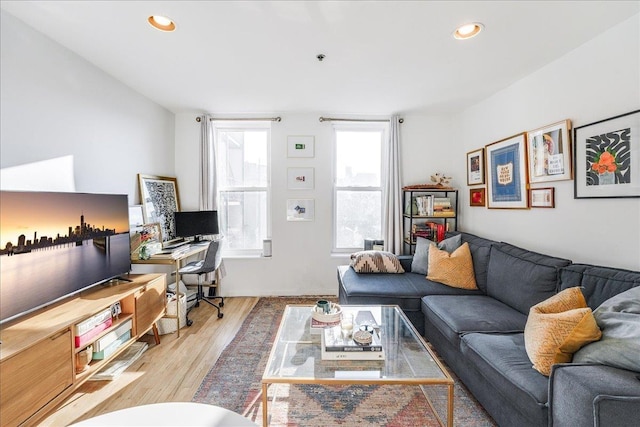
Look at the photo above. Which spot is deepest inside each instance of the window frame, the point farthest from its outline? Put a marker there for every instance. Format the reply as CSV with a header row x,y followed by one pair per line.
x,y
381,126
242,126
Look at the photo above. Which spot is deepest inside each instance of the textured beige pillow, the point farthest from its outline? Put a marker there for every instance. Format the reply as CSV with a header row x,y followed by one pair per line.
x,y
454,269
557,327
375,262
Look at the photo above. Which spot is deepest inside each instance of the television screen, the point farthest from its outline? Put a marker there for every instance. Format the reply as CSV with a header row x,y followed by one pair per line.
x,y
53,245
196,223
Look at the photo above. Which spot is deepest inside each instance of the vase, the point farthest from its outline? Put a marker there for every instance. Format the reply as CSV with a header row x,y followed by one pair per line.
x,y
144,252
606,178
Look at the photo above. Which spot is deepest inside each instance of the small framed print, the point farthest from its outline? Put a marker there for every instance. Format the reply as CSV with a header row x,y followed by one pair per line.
x,y
477,197
475,167
549,150
300,178
607,158
300,210
542,197
507,173
300,146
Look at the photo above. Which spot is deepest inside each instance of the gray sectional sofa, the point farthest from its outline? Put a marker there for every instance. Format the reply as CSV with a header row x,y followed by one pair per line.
x,y
480,333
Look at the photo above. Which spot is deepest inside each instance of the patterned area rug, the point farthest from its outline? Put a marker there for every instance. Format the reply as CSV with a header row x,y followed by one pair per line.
x,y
234,383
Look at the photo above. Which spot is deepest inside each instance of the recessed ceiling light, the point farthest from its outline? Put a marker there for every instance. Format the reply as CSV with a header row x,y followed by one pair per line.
x,y
468,30
162,23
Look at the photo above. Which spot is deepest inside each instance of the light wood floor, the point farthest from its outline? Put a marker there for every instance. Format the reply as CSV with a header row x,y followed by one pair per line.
x,y
169,372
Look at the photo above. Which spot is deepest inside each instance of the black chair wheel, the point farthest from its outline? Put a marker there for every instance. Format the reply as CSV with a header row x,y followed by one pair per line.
x,y
221,303
189,322
197,304
220,315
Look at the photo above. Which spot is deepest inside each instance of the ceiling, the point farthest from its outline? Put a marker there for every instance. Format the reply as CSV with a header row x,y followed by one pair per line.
x,y
382,57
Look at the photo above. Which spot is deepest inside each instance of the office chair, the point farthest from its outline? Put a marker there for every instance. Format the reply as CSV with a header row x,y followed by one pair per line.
x,y
209,264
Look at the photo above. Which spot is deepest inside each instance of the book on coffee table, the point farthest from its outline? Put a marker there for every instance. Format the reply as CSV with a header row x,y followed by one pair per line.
x,y
335,346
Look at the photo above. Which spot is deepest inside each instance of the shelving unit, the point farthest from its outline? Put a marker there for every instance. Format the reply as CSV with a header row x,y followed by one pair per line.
x,y
38,353
411,217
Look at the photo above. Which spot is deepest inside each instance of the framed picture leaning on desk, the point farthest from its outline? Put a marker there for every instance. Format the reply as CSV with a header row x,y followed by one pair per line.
x,y
159,195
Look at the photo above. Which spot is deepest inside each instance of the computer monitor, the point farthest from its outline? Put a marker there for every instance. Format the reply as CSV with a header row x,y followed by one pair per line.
x,y
196,224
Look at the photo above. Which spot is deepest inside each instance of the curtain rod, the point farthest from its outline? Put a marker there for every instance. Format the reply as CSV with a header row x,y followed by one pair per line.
x,y
331,119
262,119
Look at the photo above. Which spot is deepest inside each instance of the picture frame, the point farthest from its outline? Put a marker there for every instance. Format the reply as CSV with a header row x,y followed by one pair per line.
x,y
300,178
300,209
549,152
146,233
475,167
507,173
542,197
607,158
159,197
300,146
477,197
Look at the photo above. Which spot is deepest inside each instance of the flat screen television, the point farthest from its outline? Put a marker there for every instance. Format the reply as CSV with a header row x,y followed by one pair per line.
x,y
195,224
55,245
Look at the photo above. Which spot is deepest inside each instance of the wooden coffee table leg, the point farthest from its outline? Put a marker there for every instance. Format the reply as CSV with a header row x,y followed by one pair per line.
x,y
265,400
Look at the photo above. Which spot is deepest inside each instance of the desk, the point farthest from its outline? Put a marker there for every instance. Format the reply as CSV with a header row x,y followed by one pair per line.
x,y
175,258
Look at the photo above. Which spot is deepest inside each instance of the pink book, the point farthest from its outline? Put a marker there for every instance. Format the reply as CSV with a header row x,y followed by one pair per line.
x,y
83,339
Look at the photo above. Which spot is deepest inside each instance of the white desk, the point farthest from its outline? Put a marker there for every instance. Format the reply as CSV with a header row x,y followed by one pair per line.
x,y
175,258
169,414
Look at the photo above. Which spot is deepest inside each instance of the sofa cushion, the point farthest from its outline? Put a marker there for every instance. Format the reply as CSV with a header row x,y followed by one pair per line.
x,y
404,290
375,262
557,327
619,319
452,269
480,251
503,362
521,278
598,283
420,263
454,315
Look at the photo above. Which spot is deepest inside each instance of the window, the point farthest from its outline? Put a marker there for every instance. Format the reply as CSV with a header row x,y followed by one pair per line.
x,y
243,171
357,185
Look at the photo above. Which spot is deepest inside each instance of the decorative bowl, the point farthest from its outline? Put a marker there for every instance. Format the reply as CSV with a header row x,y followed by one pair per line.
x,y
333,316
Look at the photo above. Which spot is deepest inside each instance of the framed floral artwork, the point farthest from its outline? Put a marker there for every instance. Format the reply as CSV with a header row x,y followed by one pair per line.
x,y
300,146
300,209
477,197
300,178
549,152
475,167
507,173
607,158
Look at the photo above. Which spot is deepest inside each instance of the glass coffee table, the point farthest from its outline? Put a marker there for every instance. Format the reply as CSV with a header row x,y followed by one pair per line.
x,y
296,358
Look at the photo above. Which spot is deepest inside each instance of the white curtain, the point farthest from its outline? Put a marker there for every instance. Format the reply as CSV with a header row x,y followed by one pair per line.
x,y
392,196
208,181
208,178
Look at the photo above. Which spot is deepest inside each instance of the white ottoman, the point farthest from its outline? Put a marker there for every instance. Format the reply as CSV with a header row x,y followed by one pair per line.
x,y
170,414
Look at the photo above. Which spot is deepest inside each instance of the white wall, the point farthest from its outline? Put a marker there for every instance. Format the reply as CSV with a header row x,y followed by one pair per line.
x,y
302,263
56,104
600,79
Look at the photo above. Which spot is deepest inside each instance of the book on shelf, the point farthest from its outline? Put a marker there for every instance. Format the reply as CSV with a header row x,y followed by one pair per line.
x,y
335,346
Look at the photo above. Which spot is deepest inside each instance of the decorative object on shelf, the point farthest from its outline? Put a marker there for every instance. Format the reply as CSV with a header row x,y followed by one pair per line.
x,y
146,242
477,197
300,146
83,358
300,178
549,150
417,187
441,179
475,167
159,196
542,197
300,209
607,158
507,173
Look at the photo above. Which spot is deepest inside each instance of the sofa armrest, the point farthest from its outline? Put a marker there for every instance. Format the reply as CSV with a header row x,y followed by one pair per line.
x,y
594,395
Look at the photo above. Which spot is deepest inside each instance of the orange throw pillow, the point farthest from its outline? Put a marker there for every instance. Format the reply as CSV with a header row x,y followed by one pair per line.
x,y
453,269
558,327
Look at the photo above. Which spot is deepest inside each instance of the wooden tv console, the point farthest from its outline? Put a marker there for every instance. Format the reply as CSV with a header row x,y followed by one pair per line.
x,y
38,353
